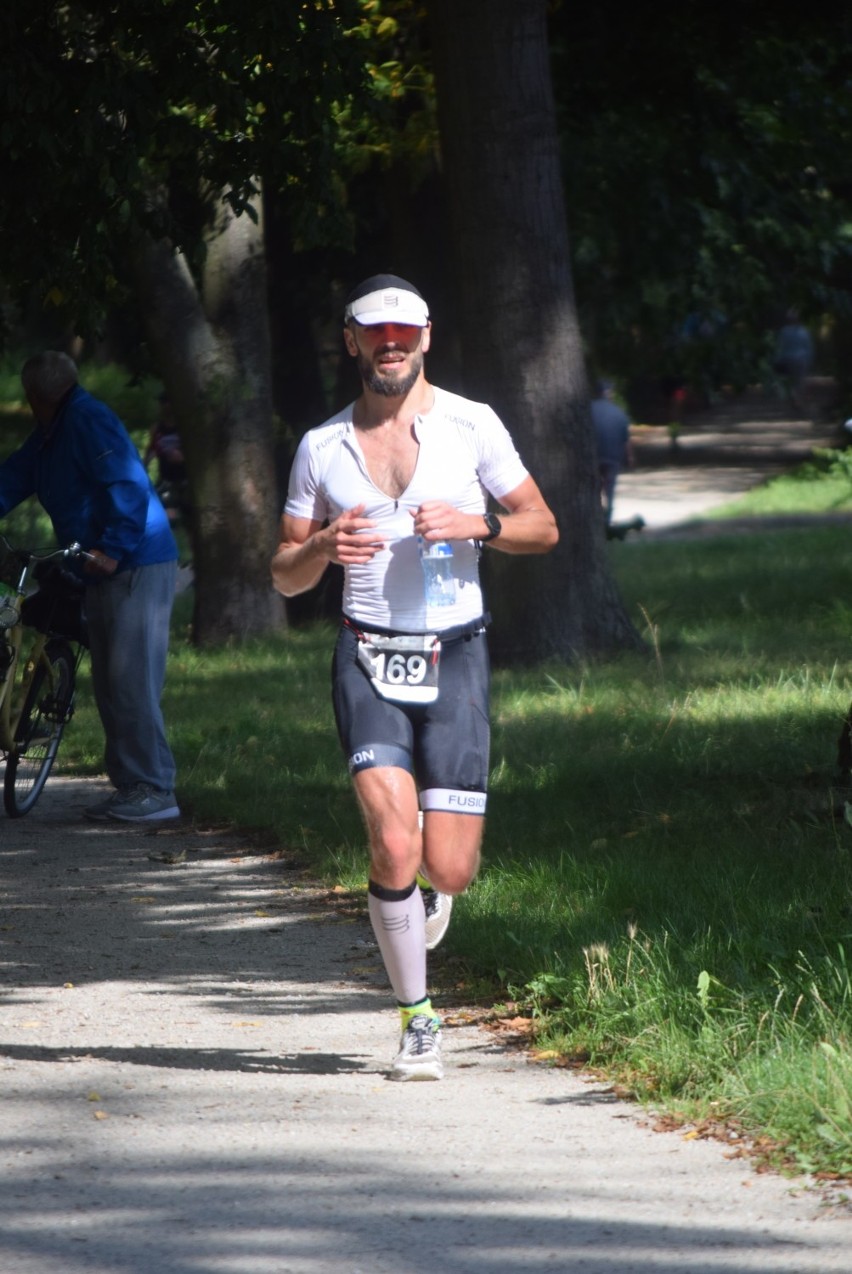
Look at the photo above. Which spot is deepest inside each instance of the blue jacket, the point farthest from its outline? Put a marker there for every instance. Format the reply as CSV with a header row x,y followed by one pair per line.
x,y
89,478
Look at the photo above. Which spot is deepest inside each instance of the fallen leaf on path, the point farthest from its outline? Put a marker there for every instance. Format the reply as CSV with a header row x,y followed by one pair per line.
x,y
520,1025
165,857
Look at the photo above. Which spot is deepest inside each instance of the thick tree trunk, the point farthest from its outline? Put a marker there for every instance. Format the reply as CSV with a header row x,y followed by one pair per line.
x,y
211,347
521,345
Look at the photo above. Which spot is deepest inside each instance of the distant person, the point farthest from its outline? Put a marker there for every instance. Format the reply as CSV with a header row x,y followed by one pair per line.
x,y
612,438
81,464
794,358
164,446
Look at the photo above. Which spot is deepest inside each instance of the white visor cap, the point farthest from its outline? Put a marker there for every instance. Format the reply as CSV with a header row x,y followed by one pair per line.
x,y
388,305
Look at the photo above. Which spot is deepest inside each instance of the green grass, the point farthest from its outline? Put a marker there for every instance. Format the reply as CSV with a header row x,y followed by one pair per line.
x,y
822,485
667,881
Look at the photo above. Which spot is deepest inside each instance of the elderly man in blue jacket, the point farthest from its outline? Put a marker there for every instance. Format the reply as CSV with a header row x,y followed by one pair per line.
x,y
83,467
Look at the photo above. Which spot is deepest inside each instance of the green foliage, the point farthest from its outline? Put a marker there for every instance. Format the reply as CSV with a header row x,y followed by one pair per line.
x,y
133,399
704,156
105,103
397,127
707,178
697,177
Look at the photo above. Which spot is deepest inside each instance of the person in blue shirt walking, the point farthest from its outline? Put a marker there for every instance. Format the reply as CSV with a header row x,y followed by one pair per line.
x,y
794,359
612,439
82,465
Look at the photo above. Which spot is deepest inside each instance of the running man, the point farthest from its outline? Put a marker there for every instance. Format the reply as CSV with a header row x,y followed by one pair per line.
x,y
404,467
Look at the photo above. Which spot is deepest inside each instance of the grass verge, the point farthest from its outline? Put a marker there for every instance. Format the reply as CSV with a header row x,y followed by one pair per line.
x,y
667,885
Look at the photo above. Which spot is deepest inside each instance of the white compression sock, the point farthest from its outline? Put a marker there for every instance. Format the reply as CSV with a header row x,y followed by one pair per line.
x,y
399,923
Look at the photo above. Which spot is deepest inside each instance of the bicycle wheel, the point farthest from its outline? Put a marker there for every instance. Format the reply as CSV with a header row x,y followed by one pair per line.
x,y
46,709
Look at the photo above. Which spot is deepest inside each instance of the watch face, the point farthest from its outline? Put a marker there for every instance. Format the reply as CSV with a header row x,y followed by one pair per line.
x,y
493,523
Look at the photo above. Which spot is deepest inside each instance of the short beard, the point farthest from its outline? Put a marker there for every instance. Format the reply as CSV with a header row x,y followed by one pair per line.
x,y
387,386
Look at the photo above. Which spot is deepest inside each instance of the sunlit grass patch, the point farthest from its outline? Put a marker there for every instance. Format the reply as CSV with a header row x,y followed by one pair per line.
x,y
667,875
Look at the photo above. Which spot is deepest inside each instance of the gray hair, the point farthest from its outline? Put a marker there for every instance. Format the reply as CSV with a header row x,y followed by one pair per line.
x,y
49,375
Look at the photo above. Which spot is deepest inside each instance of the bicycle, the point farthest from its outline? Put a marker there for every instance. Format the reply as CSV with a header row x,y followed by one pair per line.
x,y
37,691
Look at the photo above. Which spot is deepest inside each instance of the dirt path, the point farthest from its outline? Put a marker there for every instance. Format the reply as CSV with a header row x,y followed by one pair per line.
x,y
720,453
193,1065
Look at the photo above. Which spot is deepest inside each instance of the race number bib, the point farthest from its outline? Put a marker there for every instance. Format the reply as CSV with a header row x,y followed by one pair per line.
x,y
404,669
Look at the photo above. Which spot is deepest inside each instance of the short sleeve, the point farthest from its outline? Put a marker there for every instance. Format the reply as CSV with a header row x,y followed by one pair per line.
x,y
304,497
499,466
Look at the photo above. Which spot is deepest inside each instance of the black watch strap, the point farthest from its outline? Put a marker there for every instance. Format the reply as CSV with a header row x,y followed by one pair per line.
x,y
495,526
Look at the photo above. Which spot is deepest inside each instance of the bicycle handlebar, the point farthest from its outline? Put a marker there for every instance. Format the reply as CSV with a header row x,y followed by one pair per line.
x,y
25,556
77,550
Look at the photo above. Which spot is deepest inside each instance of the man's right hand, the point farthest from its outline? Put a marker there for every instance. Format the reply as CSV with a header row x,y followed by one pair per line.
x,y
97,563
347,541
307,547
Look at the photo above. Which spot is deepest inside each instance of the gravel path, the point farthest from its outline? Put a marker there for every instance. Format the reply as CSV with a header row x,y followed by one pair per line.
x,y
193,1065
721,453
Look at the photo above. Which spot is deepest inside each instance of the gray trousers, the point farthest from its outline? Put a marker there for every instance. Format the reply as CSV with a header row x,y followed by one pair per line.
x,y
128,616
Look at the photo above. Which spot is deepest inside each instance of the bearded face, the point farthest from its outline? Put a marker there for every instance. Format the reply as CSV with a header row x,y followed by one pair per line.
x,y
391,380
389,356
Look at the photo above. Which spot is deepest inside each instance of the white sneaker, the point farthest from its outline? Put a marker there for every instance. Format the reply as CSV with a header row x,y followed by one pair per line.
x,y
419,1055
438,908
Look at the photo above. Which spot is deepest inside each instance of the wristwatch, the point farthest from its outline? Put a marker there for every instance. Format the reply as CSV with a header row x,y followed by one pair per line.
x,y
495,526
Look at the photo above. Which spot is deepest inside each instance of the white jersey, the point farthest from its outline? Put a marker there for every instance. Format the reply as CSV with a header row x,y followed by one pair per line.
x,y
465,452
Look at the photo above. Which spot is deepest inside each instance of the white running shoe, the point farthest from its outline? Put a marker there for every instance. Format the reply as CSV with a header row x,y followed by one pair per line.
x,y
438,908
419,1055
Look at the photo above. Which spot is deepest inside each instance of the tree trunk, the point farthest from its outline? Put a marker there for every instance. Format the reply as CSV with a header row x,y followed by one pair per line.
x,y
522,349
211,347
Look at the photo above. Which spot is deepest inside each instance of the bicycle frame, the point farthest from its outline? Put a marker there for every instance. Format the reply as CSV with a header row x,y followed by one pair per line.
x,y
14,687
14,691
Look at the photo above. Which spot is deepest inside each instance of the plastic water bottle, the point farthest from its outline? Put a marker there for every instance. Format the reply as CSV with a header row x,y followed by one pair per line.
x,y
437,561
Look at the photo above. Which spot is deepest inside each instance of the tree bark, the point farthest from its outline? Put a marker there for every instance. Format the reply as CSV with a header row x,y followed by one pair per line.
x,y
211,346
521,344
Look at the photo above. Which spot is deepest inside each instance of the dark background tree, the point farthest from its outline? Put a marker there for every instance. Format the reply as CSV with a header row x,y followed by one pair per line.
x,y
134,136
522,346
706,156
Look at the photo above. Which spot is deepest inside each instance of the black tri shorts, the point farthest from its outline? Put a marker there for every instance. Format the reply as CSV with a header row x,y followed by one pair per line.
x,y
443,744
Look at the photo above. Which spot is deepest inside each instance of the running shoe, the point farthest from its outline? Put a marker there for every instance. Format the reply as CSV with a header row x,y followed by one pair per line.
x,y
419,1055
144,804
99,812
438,907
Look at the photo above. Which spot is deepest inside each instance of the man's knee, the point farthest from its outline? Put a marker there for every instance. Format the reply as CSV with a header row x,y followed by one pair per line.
x,y
452,877
451,849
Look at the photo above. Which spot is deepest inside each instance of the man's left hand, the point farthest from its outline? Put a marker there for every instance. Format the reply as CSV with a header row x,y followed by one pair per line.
x,y
435,520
